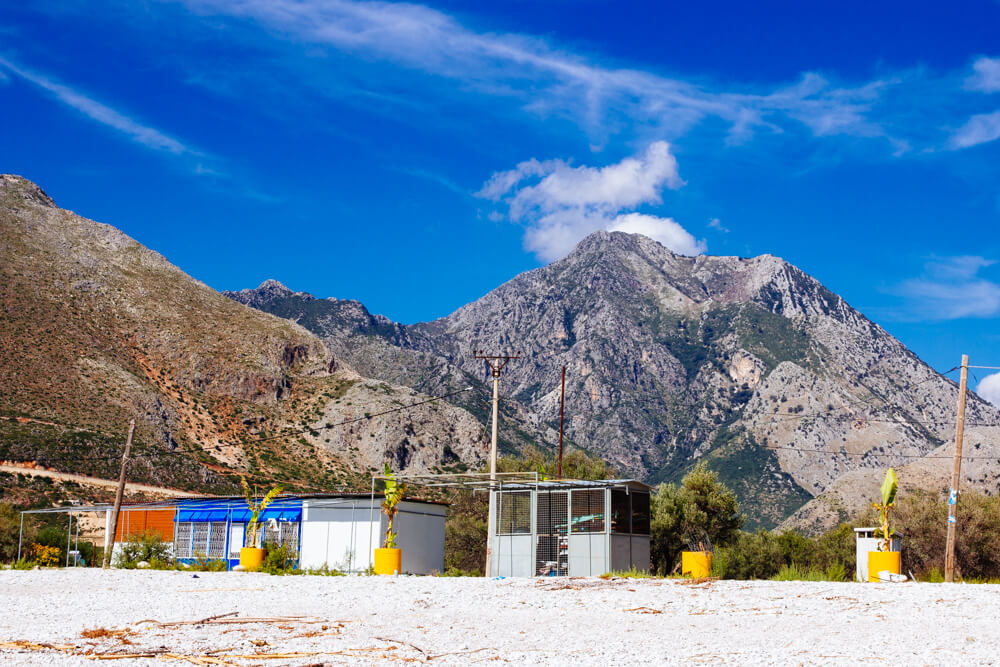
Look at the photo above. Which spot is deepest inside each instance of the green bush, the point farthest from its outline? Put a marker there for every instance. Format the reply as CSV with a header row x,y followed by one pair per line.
x,y
279,559
922,519
701,511
147,546
787,555
23,564
10,525
201,563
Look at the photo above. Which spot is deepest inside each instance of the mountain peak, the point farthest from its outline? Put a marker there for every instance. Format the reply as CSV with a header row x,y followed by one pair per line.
x,y
19,186
273,286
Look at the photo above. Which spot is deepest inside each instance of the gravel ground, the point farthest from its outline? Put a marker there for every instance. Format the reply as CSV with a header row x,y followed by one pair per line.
x,y
61,617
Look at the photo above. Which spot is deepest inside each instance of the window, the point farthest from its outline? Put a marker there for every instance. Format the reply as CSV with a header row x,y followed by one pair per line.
x,y
588,511
182,541
284,533
640,513
515,513
621,511
199,544
217,540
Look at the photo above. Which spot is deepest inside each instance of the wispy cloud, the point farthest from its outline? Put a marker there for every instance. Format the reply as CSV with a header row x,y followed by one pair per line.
x,y
950,288
986,76
551,81
103,114
560,203
980,129
715,223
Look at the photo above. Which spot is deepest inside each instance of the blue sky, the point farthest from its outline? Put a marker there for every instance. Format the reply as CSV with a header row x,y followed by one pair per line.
x,y
416,156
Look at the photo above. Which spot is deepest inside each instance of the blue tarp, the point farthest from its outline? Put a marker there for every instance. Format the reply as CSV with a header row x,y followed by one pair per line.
x,y
237,514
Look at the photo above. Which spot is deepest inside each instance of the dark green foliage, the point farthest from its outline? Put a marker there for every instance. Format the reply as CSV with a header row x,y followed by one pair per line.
x,y
788,555
465,533
577,464
148,547
922,519
10,522
700,513
278,559
754,474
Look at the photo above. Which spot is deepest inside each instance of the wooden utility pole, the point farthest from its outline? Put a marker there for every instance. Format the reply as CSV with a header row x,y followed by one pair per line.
x,y
562,407
956,472
496,363
118,497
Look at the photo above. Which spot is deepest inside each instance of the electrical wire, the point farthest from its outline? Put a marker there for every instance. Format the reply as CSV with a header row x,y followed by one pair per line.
x,y
291,431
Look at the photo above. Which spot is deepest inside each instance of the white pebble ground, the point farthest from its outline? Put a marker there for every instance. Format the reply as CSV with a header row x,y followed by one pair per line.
x,y
58,617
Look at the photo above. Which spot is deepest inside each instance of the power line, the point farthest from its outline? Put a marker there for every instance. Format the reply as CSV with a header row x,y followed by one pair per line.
x,y
869,453
291,431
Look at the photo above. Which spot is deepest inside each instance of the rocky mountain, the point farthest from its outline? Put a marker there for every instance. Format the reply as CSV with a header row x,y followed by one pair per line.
x,y
96,329
748,363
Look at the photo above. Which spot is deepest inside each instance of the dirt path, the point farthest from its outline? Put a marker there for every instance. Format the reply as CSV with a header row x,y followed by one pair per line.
x,y
130,487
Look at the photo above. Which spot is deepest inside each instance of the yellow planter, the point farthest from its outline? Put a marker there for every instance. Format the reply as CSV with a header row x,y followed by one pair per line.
x,y
251,558
696,563
879,561
388,561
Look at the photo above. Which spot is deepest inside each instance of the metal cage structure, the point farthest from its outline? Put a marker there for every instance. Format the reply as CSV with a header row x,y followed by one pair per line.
x,y
571,528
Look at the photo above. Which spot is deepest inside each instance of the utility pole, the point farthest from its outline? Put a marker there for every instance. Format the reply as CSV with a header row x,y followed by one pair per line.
x,y
956,471
496,363
118,496
562,407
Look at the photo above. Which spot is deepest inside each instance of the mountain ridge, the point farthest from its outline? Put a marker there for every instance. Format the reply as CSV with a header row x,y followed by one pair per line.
x,y
749,362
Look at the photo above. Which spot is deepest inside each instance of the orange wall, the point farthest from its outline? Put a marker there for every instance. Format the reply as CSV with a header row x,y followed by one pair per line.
x,y
133,522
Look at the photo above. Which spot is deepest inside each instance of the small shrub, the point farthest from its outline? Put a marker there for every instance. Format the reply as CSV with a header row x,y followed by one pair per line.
x,y
147,546
23,564
44,555
279,559
202,563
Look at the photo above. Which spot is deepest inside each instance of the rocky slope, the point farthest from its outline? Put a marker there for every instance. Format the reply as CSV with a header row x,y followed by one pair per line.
x,y
97,329
746,362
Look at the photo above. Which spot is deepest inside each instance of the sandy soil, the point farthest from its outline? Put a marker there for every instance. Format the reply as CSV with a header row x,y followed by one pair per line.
x,y
61,617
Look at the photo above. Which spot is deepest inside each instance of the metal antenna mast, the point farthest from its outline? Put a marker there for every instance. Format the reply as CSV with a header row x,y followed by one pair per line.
x,y
496,363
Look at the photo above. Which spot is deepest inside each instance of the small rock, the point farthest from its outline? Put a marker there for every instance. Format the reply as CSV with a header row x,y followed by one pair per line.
x,y
142,565
239,568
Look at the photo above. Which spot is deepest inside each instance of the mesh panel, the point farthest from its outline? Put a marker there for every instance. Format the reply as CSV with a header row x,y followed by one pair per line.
x,y
552,520
285,533
182,541
217,541
200,545
290,537
515,513
588,511
621,512
640,513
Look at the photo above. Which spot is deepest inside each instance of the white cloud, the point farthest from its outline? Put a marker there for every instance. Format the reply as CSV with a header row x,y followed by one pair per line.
x,y
989,389
951,288
665,231
98,112
986,77
979,129
560,204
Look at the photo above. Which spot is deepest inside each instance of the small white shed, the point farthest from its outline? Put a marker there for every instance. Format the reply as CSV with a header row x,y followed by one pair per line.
x,y
343,533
